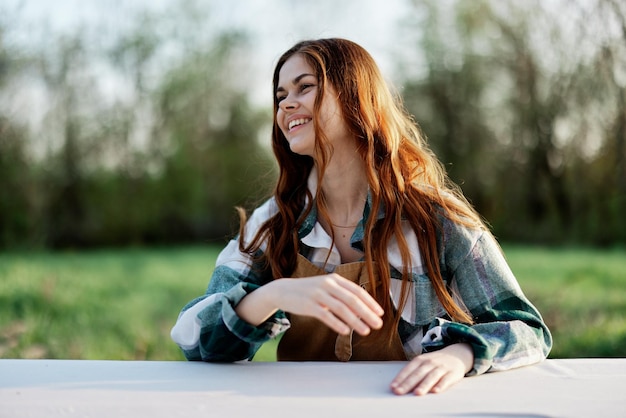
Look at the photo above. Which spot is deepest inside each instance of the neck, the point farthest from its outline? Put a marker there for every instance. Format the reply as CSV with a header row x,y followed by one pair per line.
x,y
345,189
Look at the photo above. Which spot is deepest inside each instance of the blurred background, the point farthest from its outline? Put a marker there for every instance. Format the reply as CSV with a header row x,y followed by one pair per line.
x,y
146,122
130,130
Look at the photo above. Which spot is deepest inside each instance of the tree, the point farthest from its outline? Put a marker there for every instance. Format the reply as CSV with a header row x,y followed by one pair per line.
x,y
18,195
511,98
148,137
213,134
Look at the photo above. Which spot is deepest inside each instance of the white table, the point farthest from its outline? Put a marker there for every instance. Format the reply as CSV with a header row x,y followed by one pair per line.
x,y
62,388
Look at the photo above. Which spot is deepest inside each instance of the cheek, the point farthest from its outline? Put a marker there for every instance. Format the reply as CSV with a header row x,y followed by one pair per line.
x,y
333,121
279,120
330,114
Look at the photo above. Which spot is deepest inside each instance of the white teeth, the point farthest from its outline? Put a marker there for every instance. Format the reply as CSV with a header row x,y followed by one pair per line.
x,y
297,122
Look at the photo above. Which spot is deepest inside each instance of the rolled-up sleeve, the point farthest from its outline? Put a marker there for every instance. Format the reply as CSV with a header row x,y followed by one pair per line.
x,y
208,328
508,331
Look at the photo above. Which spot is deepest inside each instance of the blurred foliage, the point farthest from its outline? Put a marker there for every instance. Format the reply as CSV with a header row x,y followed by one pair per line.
x,y
161,156
149,136
525,103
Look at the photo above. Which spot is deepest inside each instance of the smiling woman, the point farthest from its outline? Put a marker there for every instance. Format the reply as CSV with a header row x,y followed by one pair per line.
x,y
365,251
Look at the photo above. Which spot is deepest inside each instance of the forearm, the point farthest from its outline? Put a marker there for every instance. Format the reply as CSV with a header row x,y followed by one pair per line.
x,y
211,329
258,306
464,353
508,331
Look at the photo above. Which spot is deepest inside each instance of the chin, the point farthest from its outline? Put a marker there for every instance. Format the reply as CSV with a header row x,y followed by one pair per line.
x,y
300,149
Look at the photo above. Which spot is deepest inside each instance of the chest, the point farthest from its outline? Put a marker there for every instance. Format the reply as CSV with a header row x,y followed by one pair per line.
x,y
342,243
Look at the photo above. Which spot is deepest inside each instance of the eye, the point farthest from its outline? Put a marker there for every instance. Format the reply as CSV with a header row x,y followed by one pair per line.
x,y
305,86
280,98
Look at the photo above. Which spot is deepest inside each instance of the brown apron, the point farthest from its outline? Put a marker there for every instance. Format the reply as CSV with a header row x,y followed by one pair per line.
x,y
308,339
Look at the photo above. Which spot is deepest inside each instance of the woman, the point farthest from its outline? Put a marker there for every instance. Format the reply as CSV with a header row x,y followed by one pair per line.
x,y
366,251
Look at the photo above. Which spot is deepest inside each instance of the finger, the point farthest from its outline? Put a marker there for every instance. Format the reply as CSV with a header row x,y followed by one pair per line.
x,y
331,321
448,380
359,302
396,383
410,376
429,381
356,314
363,295
345,313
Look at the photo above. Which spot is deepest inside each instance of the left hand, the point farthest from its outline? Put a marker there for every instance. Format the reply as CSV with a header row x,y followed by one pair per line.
x,y
434,372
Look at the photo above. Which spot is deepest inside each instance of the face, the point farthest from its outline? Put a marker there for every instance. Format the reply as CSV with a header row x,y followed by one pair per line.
x,y
296,92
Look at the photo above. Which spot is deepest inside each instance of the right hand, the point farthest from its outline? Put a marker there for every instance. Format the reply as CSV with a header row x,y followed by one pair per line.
x,y
337,302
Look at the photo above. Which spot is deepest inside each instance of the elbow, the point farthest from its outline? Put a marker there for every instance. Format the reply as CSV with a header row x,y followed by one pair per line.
x,y
546,342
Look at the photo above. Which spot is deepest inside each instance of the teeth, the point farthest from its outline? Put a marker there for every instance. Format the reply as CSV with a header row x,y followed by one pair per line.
x,y
297,122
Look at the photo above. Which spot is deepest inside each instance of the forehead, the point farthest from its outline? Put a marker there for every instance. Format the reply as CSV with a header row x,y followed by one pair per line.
x,y
293,68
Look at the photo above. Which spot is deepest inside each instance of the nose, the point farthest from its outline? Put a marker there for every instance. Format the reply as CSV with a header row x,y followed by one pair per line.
x,y
288,103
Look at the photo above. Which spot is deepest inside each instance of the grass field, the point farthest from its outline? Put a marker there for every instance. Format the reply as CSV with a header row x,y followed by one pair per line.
x,y
582,295
121,304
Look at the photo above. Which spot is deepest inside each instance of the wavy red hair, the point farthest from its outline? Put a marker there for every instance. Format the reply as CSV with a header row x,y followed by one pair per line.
x,y
404,176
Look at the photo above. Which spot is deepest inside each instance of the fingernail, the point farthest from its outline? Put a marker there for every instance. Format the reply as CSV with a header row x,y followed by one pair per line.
x,y
399,390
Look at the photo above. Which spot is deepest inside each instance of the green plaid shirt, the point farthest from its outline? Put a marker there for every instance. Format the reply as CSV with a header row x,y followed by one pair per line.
x,y
508,331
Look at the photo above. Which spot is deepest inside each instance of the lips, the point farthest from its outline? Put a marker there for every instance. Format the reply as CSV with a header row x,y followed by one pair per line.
x,y
298,122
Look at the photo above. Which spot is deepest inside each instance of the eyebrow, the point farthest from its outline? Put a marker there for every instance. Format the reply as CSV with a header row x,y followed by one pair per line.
x,y
295,81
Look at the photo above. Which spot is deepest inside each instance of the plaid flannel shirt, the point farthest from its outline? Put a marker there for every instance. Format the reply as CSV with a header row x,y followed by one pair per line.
x,y
508,331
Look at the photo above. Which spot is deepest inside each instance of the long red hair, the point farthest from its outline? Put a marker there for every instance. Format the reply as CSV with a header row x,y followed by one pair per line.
x,y
405,178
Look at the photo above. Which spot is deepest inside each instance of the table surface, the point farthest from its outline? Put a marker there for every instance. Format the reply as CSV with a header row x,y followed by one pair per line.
x,y
55,388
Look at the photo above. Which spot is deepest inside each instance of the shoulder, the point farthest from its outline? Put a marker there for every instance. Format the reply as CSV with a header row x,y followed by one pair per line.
x,y
457,240
259,216
265,211
454,232
231,256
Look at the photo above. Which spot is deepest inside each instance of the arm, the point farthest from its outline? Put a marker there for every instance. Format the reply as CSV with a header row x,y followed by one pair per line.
x,y
236,316
508,331
244,308
332,299
208,328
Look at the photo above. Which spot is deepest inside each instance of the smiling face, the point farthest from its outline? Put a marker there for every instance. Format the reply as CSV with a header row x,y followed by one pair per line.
x,y
297,89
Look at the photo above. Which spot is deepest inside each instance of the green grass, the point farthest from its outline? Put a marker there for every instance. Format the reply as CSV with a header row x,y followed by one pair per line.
x,y
582,295
121,304
117,304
